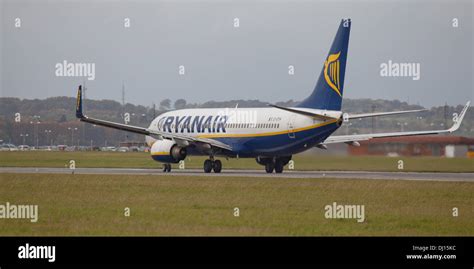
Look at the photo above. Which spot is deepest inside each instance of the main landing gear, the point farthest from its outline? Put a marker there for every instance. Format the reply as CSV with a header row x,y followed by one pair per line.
x,y
211,164
277,166
166,167
274,164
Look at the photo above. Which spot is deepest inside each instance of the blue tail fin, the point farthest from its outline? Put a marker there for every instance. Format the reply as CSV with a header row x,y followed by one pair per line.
x,y
329,89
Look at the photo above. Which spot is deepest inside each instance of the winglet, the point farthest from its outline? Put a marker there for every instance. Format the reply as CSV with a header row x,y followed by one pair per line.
x,y
458,121
79,114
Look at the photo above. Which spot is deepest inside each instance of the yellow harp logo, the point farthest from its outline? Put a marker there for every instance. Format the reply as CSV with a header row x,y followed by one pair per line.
x,y
331,72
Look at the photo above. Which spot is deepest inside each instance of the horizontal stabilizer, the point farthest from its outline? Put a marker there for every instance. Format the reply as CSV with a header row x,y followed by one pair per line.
x,y
322,116
377,114
361,137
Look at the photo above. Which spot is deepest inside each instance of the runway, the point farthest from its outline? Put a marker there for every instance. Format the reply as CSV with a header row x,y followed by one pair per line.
x,y
455,177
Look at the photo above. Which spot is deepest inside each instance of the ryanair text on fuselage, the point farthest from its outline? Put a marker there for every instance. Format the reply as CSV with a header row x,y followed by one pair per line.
x,y
193,124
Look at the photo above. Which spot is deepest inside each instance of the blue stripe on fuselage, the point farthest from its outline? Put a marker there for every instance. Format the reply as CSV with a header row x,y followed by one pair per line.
x,y
278,145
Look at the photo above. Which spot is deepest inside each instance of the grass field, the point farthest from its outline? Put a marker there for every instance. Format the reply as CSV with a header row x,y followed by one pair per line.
x,y
302,162
95,204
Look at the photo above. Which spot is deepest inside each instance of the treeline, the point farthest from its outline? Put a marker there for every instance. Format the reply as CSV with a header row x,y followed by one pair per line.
x,y
52,120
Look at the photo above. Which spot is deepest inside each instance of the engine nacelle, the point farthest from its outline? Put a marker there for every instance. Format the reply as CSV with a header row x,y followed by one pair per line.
x,y
167,151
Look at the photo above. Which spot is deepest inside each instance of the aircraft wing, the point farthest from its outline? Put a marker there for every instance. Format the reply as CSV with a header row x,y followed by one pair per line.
x,y
185,140
361,137
181,139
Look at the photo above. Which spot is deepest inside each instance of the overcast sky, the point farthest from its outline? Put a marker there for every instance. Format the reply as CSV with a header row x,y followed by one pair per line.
x,y
223,62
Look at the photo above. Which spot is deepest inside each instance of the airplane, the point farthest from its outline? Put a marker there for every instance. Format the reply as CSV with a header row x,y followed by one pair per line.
x,y
271,135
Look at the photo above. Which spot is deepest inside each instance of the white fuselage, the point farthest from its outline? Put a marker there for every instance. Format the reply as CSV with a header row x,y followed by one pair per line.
x,y
238,125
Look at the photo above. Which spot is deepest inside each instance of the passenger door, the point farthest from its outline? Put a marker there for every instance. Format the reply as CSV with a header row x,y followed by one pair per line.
x,y
291,126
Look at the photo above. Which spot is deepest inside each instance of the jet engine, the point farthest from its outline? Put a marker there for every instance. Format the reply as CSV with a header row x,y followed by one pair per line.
x,y
167,151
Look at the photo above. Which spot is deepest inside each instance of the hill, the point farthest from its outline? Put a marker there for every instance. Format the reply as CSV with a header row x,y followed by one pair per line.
x,y
56,114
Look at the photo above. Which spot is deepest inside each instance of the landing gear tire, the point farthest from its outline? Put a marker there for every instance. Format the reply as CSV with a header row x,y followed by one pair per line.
x,y
207,166
276,163
269,167
166,167
278,167
217,166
